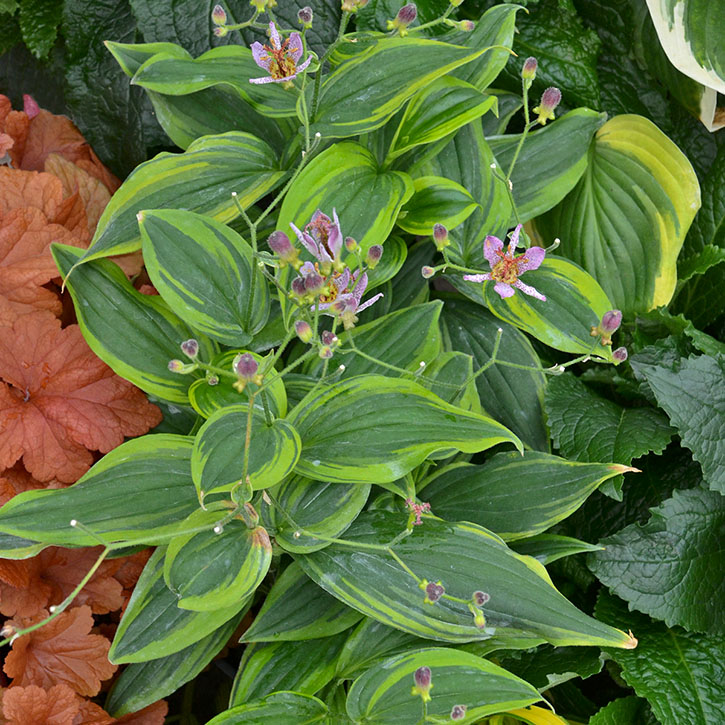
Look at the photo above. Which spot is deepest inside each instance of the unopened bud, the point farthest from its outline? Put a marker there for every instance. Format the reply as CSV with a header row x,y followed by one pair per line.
x,y
280,244
305,15
528,72
352,6
314,283
467,26
481,598
440,237
303,330
550,99
620,355
7,631
298,287
212,380
458,712
433,592
190,348
611,321
423,685
220,31
406,15
328,338
246,366
479,619
218,16
427,272
177,366
374,255
325,352
350,244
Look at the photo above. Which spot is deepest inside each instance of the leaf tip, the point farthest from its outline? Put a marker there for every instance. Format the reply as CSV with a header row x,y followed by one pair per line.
x,y
631,642
621,468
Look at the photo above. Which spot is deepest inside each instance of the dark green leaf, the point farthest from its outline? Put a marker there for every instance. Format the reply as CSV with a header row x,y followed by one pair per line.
x,y
624,711
39,21
279,707
548,548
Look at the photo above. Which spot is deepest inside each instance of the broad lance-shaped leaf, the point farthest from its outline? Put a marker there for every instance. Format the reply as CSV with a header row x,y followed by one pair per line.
x,y
205,272
201,179
373,429
297,609
692,394
138,493
153,626
627,218
135,335
671,566
551,160
353,100
383,695
276,708
465,558
515,496
548,548
678,672
217,463
213,569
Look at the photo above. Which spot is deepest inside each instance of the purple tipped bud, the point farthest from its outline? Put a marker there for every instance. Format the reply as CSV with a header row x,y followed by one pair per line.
x,y
611,321
407,14
314,283
374,254
550,99
433,592
528,72
422,678
458,712
212,380
325,352
298,287
246,366
481,598
303,330
620,355
176,366
427,272
467,26
304,15
350,244
218,16
190,348
280,244
440,236
328,338
220,31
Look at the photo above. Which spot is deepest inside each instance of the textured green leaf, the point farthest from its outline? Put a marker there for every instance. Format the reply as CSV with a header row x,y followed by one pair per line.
x,y
678,672
305,667
205,272
136,335
277,708
297,609
692,394
217,463
514,496
139,492
465,558
372,429
548,548
39,21
201,179
153,626
624,711
383,695
512,396
143,683
317,509
670,567
551,162
627,218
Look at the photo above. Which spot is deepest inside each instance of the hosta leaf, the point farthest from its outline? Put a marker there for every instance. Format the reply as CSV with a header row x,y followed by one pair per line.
x,y
353,100
394,256
515,496
297,609
372,429
670,567
317,509
436,200
205,272
678,672
153,626
692,395
304,667
143,683
551,161
217,463
574,304
628,241
465,558
201,179
450,377
383,695
512,396
138,493
551,547
276,708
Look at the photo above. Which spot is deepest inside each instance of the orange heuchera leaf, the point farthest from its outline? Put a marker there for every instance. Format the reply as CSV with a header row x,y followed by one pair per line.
x,y
6,143
151,715
29,188
92,714
15,480
33,705
62,651
59,400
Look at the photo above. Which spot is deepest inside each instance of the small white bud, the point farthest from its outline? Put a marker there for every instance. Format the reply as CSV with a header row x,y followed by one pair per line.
x,y
52,608
297,534
218,529
73,523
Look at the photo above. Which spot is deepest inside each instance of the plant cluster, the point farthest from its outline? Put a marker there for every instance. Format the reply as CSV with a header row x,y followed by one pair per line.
x,y
397,258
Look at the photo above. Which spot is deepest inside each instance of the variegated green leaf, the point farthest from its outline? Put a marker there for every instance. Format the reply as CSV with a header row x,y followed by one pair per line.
x,y
277,708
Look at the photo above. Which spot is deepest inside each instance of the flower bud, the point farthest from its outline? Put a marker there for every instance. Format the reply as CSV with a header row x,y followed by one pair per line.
x,y
325,352
481,598
528,72
433,592
303,330
466,26
350,244
440,237
479,619
305,15
218,16
298,287
422,678
190,348
212,380
220,31
314,283
374,254
177,366
406,15
246,366
620,355
611,321
550,99
328,338
458,712
280,244
352,6
427,272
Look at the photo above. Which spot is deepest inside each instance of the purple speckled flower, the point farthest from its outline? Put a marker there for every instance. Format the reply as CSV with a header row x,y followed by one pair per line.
x,y
322,238
348,304
280,58
506,269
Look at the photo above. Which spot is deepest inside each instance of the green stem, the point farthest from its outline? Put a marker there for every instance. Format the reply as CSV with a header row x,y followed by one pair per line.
x,y
344,19
525,132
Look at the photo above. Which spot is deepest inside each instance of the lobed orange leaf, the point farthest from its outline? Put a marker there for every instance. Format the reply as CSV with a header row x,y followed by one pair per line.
x,y
59,401
29,188
151,715
32,705
15,480
61,652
